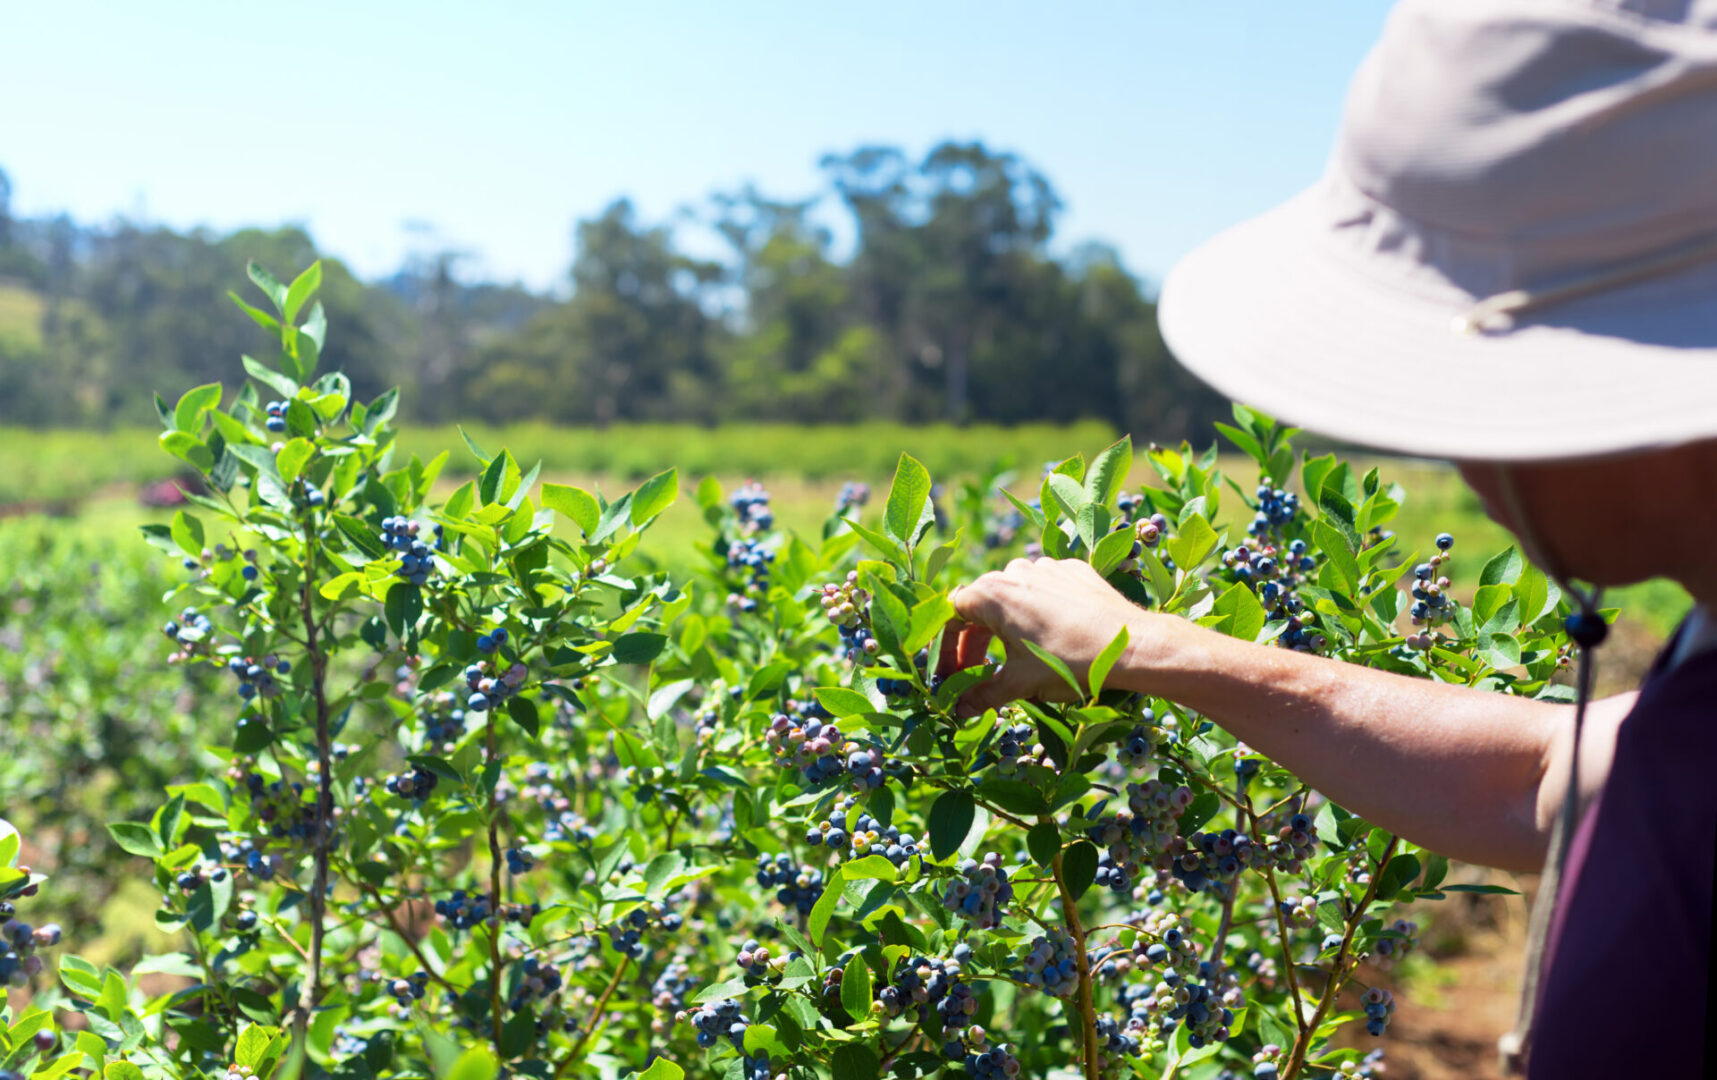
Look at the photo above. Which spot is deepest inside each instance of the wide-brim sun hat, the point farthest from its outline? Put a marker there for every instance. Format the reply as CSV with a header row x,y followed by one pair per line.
x,y
1512,254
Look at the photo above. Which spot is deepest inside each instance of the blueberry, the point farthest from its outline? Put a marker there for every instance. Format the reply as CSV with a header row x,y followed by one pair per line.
x,y
1445,541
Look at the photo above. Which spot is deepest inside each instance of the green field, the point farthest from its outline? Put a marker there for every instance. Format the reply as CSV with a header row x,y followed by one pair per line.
x,y
97,473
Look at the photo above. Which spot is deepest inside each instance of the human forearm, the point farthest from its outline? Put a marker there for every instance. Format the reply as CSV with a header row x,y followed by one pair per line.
x,y
1454,769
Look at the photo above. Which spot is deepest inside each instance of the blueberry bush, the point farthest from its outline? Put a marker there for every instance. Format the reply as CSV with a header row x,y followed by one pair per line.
x,y
491,794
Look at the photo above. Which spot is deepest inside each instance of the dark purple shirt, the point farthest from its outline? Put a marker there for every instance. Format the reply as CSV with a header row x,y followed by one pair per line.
x,y
1624,993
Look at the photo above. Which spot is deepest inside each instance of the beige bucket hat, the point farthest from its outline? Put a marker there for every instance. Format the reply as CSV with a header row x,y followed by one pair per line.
x,y
1512,254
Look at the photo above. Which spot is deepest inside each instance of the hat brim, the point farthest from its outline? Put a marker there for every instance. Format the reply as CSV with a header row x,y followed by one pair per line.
x,y
1273,315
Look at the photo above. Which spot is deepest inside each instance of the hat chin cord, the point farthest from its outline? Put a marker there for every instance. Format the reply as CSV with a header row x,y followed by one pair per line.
x,y
1588,629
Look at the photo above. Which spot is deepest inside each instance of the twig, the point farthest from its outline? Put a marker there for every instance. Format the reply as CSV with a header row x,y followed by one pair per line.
x,y
410,942
1333,984
1087,1012
595,1017
496,1016
324,789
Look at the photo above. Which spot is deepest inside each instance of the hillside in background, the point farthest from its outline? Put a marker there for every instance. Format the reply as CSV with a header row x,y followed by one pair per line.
x,y
950,306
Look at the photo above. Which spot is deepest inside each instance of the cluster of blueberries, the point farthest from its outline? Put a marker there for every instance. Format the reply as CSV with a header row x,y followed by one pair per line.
x,y
1431,605
19,942
980,893
488,691
257,678
1178,999
797,889
1051,964
668,993
464,910
1210,860
933,987
257,861
1136,749
190,630
1293,844
845,603
753,959
852,496
416,784
1379,1006
627,935
188,881
857,643
1142,833
417,560
717,1020
519,861
1276,507
869,836
1016,748
751,558
410,989
894,688
1402,938
751,503
986,1062
282,807
537,980
306,494
276,421
816,747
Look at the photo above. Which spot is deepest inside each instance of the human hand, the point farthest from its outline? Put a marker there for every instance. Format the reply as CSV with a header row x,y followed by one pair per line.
x,y
1060,605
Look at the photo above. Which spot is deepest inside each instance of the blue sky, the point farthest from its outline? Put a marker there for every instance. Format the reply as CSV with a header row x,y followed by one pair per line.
x,y
500,123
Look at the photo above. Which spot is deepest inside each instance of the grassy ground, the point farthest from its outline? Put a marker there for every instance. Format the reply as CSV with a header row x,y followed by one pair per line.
x,y
42,466
1437,502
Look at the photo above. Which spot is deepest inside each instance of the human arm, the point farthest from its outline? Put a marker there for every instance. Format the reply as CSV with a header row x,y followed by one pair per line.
x,y
1474,775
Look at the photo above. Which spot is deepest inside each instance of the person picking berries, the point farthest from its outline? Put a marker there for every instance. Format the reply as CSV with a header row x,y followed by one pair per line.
x,y
1510,263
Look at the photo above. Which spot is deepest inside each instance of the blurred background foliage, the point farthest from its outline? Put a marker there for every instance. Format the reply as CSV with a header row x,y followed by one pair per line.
x,y
947,304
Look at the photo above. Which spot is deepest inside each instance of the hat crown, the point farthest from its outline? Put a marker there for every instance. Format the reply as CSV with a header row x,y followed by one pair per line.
x,y
1567,131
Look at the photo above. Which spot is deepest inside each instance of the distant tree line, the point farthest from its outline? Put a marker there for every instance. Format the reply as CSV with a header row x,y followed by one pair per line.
x,y
948,307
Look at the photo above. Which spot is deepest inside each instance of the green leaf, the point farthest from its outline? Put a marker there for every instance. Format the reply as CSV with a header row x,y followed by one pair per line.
x,y
638,648
403,608
270,378
855,1061
926,621
1044,843
189,449
655,495
260,317
907,499
661,1069
478,1063
1079,867
1402,871
1057,665
302,288
856,988
1504,568
121,1070
1064,494
951,817
1193,540
1105,661
890,550
1338,552
1114,549
1014,796
268,283
824,909
187,532
524,713
193,405
1247,614
254,1044
367,537
1487,890
1107,477
292,459
136,838
579,505
842,702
